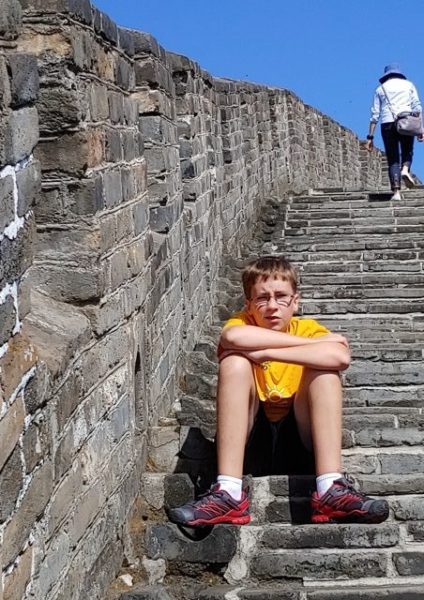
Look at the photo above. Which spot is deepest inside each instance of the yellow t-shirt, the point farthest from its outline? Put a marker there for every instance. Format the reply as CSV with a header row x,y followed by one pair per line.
x,y
277,382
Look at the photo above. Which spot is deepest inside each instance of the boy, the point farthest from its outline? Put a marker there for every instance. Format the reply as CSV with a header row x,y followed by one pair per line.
x,y
286,368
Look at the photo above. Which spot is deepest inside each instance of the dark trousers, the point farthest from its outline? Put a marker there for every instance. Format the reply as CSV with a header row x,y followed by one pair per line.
x,y
399,150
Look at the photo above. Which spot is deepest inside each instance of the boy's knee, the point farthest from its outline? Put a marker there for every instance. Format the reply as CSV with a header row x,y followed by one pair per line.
x,y
237,365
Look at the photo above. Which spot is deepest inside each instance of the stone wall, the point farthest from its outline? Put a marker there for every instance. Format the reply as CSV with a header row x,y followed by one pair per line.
x,y
151,172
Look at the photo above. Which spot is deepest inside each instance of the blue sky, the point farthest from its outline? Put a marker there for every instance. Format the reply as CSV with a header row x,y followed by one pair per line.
x,y
331,53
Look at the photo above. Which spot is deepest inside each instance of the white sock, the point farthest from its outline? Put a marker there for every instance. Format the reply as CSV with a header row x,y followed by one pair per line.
x,y
232,485
325,481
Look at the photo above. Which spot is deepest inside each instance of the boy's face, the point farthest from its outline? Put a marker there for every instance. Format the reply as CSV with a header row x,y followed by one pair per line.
x,y
273,303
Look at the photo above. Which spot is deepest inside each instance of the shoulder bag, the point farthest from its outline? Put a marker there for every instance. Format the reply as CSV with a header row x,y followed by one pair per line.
x,y
407,123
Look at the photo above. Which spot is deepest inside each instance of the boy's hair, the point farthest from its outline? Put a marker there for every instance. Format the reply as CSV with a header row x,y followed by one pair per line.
x,y
264,267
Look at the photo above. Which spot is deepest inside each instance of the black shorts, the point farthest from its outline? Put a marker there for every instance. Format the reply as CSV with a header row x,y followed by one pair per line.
x,y
276,448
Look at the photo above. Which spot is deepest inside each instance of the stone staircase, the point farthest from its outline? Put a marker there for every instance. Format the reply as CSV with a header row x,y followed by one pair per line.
x,y
360,258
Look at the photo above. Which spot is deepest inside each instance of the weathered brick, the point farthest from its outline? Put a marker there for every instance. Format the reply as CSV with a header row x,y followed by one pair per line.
x,y
28,181
10,19
16,582
7,319
409,563
7,200
11,427
18,135
11,481
72,153
303,563
166,541
37,441
16,363
24,79
32,506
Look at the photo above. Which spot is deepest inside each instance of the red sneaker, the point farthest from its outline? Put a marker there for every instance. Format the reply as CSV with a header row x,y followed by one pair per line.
x,y
342,503
216,506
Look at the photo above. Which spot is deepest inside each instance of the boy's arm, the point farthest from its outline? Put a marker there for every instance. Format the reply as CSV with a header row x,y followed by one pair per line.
x,y
327,356
251,337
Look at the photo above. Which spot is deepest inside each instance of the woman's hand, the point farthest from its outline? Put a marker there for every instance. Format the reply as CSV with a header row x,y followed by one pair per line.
x,y
421,137
369,145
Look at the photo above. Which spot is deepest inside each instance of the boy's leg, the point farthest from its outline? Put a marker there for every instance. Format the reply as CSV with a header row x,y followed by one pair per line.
x,y
318,412
319,397
236,411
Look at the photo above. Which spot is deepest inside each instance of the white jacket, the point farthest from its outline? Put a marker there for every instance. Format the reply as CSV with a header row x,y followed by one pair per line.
x,y
402,95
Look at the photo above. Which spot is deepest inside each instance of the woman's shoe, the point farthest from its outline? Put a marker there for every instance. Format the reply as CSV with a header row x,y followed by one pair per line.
x,y
407,178
396,196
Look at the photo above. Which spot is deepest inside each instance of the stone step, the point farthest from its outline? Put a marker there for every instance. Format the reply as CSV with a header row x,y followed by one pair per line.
x,y
312,554
372,231
352,224
347,245
381,396
197,406
327,565
291,591
319,307
317,213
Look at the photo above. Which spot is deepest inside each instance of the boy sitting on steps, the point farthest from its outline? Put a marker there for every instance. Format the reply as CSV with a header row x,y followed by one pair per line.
x,y
283,370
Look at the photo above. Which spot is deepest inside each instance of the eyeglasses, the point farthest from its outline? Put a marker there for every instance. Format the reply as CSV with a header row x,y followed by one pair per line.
x,y
280,299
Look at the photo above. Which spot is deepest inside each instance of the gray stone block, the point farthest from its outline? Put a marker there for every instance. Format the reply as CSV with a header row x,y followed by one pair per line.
x,y
7,202
18,135
24,81
59,109
153,592
126,41
28,181
10,19
16,254
11,481
112,186
31,508
409,563
394,592
167,541
7,319
328,536
302,563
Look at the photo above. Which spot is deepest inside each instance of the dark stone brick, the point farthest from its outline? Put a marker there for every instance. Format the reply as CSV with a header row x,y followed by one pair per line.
x,y
10,19
113,145
145,43
32,506
11,479
59,109
16,255
7,319
303,563
179,489
126,41
376,593
152,592
167,541
124,74
18,134
162,218
37,390
327,536
7,202
36,442
104,26
24,81
29,184
409,563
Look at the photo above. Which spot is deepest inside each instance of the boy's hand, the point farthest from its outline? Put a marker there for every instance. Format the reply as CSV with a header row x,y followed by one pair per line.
x,y
333,337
